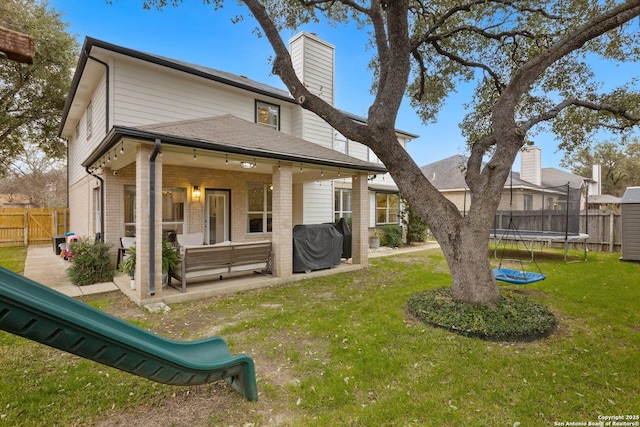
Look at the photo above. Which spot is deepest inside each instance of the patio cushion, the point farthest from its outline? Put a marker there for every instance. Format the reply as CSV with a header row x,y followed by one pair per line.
x,y
193,239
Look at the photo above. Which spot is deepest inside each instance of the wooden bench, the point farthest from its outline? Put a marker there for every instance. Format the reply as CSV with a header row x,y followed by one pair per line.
x,y
216,261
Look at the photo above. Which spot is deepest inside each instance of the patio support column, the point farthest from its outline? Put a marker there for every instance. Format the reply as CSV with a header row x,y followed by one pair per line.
x,y
360,219
282,223
144,223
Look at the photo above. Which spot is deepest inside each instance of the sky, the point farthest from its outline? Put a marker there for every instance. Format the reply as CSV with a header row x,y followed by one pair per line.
x,y
198,34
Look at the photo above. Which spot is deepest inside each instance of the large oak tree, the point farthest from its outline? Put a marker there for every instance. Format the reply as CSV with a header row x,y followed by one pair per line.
x,y
528,60
32,96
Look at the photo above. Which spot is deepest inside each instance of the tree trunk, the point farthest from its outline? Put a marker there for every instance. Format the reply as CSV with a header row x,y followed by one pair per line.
x,y
470,267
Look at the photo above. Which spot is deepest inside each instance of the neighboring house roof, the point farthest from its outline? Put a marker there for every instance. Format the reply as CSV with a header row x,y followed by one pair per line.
x,y
224,77
448,174
230,134
604,199
552,177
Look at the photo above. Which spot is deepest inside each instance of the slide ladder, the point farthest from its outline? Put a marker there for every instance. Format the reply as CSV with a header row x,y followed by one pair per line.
x,y
39,313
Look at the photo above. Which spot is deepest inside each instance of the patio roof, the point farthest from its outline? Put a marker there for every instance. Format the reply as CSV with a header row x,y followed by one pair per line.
x,y
230,134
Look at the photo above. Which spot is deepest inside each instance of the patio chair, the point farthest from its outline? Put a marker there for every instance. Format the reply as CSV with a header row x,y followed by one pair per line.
x,y
125,243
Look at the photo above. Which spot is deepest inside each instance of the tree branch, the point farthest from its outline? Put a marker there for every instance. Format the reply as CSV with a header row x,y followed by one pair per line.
x,y
494,76
557,109
531,70
283,67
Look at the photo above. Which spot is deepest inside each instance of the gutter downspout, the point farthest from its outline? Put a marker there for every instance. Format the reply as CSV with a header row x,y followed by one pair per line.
x,y
86,168
106,131
152,217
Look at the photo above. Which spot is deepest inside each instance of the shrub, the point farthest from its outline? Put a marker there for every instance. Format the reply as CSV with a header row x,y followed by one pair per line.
x,y
391,236
516,318
90,263
416,228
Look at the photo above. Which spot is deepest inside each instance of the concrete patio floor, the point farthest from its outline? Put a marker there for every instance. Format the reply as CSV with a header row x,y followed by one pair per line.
x,y
44,266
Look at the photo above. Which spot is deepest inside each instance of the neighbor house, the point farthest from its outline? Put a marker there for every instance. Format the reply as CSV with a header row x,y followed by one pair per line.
x,y
159,147
533,190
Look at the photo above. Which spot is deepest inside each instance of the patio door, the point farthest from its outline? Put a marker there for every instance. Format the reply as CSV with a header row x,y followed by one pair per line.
x,y
217,216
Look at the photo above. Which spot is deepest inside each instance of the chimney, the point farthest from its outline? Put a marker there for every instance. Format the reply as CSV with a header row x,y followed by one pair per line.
x,y
595,186
314,62
531,165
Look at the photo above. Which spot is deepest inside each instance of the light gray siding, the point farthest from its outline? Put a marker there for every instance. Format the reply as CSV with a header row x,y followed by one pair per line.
x,y
630,206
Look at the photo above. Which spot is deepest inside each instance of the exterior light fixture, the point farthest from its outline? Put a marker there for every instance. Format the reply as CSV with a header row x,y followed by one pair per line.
x,y
247,165
194,154
196,192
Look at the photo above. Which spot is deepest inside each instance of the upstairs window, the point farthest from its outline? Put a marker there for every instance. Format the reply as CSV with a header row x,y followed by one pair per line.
x,y
341,143
268,114
371,156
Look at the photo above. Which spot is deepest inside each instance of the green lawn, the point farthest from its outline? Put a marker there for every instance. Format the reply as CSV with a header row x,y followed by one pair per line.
x,y
341,350
13,258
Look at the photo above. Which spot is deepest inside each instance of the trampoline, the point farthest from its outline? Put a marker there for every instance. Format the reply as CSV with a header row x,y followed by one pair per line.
x,y
545,216
541,238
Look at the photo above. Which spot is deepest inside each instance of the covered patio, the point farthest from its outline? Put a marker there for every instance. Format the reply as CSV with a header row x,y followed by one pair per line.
x,y
197,162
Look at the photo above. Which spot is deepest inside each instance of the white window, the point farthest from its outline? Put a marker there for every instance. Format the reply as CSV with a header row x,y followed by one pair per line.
x,y
259,208
528,202
342,203
341,143
387,208
268,114
172,210
371,156
550,203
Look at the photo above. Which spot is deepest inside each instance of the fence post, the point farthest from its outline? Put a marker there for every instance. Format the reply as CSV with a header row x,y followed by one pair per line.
x,y
611,234
26,229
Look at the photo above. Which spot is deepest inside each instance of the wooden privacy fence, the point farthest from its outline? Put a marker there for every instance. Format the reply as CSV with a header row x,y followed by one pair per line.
x,y
604,228
32,226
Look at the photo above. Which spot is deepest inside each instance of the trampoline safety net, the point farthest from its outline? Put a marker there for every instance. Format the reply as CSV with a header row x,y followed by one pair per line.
x,y
549,211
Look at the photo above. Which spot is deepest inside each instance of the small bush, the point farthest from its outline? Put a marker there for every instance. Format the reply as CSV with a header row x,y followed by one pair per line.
x,y
391,236
90,263
516,317
416,228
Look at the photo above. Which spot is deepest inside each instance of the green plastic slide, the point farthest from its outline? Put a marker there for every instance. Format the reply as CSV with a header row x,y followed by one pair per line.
x,y
39,313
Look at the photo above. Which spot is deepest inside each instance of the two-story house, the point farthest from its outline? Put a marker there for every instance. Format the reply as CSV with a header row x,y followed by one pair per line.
x,y
157,146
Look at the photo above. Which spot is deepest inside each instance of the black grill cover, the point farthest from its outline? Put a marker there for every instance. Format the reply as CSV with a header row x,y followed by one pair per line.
x,y
316,247
343,228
